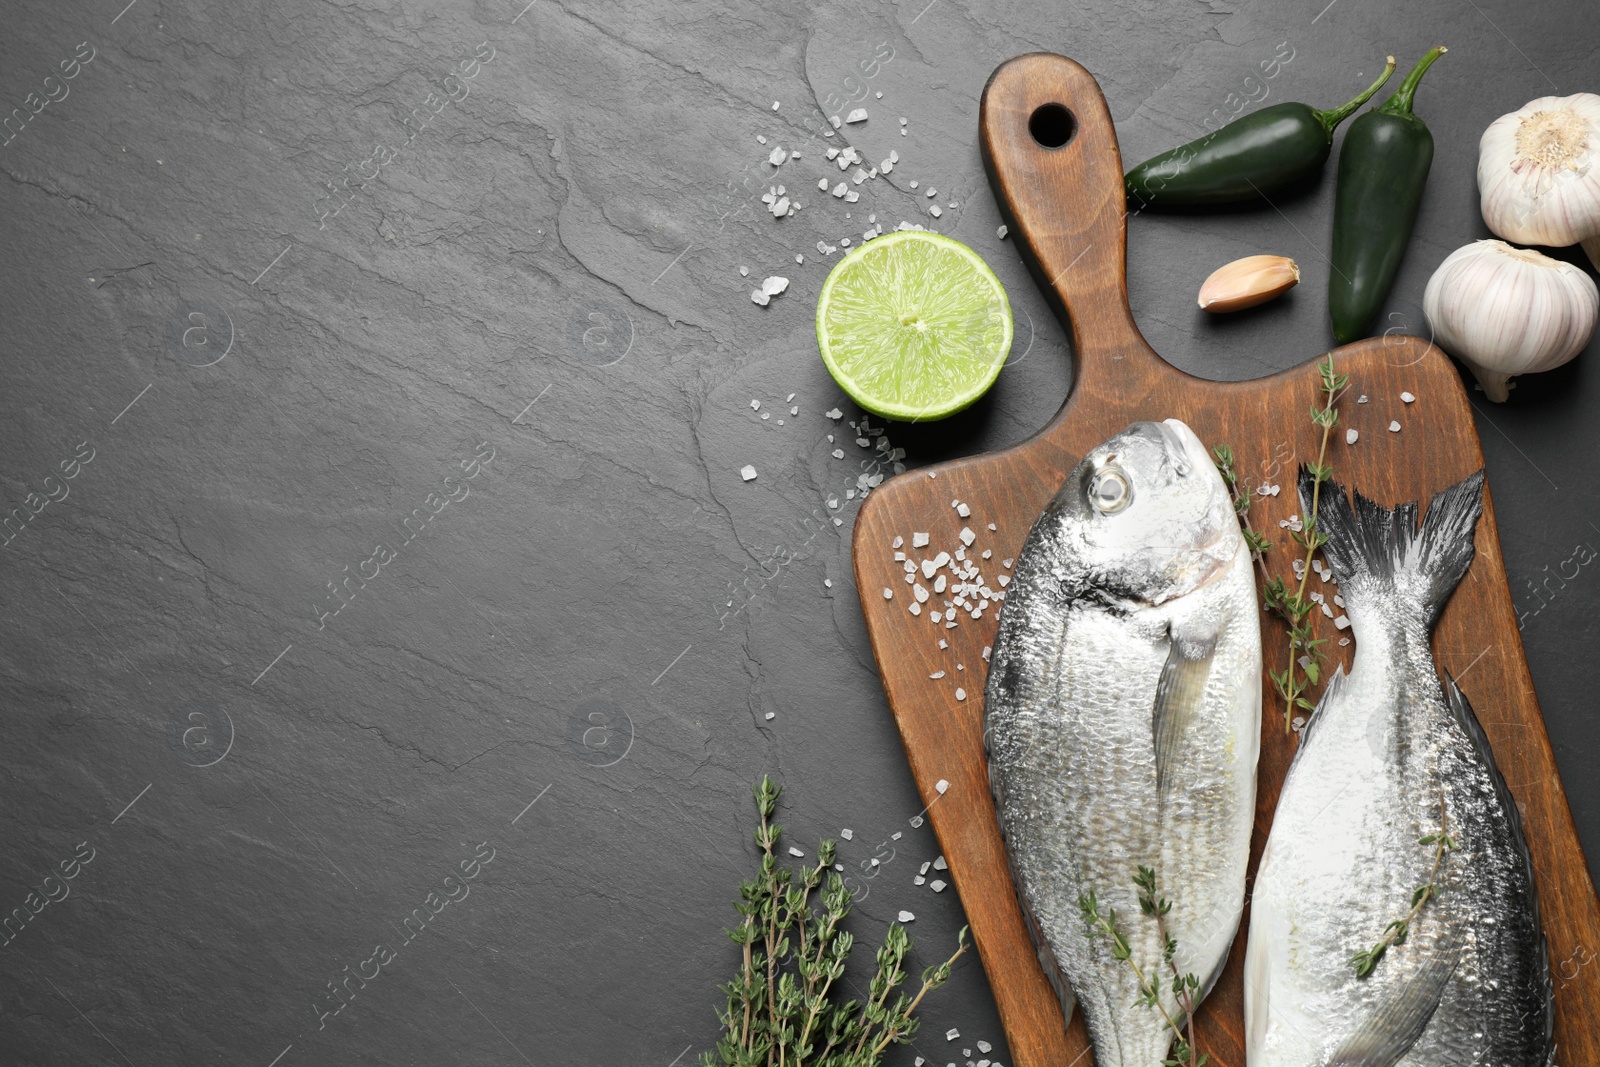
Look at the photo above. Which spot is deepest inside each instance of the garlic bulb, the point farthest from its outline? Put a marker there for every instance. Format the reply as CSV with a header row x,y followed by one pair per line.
x,y
1504,311
1539,173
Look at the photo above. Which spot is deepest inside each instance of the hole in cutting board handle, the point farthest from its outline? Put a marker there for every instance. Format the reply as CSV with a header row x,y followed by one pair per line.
x,y
1052,126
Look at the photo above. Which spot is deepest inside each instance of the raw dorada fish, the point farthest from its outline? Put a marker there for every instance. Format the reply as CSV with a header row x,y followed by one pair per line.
x,y
1389,761
1122,723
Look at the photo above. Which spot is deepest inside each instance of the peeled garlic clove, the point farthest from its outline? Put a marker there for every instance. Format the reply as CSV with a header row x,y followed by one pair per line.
x,y
1505,311
1539,172
1247,282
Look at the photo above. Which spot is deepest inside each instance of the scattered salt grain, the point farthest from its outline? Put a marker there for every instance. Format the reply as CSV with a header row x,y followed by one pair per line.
x,y
774,105
951,1034
1350,437
986,650
758,297
902,120
936,675
761,138
919,880
939,864
778,156
888,594
847,833
1006,563
938,887
916,609
984,1046
827,583
919,540
1394,426
906,917
794,851
896,543
967,536
1001,233
1342,622
963,510
940,787
1362,399
834,119
747,472
858,115
838,453
921,593
850,198
1407,397
833,413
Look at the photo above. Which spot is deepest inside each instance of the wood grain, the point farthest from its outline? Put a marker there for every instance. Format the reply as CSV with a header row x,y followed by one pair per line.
x,y
1065,209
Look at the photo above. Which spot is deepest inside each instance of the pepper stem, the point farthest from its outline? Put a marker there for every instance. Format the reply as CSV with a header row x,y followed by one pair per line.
x,y
1331,118
1400,102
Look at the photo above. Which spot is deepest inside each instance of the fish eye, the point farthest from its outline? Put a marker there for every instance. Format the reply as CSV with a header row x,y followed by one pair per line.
x,y
1110,491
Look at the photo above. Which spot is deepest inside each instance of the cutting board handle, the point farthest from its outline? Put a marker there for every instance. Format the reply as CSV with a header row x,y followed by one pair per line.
x,y
1051,153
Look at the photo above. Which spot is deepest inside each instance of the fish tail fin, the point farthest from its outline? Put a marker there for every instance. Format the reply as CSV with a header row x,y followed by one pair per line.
x,y
1369,544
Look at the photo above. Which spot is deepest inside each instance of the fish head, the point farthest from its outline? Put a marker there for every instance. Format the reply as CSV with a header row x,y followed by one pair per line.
x,y
1145,517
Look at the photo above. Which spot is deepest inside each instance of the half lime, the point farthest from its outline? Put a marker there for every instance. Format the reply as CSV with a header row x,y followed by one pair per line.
x,y
913,325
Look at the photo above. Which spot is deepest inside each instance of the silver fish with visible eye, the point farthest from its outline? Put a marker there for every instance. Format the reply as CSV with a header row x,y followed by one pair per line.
x,y
1389,760
1122,721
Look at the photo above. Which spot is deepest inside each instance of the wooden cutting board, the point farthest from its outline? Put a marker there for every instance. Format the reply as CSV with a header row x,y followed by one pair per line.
x,y
1065,209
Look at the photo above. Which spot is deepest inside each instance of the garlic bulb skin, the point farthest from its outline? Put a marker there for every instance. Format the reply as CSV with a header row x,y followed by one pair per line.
x,y
1539,173
1505,311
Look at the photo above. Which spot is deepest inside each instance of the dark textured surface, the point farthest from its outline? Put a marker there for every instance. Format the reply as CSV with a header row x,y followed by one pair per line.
x,y
568,235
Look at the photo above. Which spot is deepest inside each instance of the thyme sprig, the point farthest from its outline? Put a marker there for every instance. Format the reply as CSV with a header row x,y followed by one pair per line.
x,y
1185,987
1305,651
1366,961
782,1009
1240,494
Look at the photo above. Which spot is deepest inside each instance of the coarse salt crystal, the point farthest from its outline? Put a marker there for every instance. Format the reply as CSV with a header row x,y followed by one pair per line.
x,y
774,285
747,472
795,852
1342,622
1362,399
940,787
1394,426
939,864
984,1046
1407,397
897,542
951,1034
834,413
961,694
963,510
775,107
838,453
936,675
936,615
919,540
758,297
858,115
1001,233
916,609
1350,437
967,536
1006,563
850,198
934,211
778,156
938,887
920,592
888,594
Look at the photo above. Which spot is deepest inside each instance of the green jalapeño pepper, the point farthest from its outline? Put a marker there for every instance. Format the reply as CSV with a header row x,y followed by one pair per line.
x,y
1382,169
1251,157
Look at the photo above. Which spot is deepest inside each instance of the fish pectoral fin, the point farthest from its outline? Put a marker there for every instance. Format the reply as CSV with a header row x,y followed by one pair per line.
x,y
1400,1017
1178,694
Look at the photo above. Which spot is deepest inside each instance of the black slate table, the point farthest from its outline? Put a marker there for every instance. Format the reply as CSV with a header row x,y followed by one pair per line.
x,y
391,638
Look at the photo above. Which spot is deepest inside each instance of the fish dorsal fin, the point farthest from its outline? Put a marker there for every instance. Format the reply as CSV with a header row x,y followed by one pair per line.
x,y
1461,711
1400,1016
1178,694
